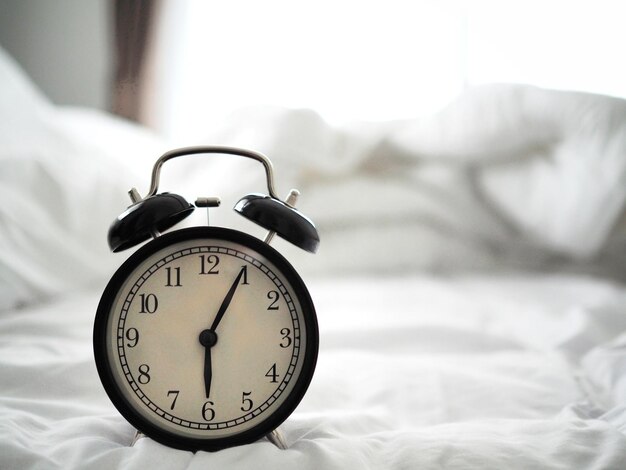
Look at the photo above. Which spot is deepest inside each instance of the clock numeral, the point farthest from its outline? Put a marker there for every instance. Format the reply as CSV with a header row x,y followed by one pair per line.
x,y
286,338
244,277
208,413
175,393
144,377
273,296
173,281
246,402
149,303
208,264
132,335
272,374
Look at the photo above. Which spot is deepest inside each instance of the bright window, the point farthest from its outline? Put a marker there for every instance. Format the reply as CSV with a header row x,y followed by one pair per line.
x,y
374,60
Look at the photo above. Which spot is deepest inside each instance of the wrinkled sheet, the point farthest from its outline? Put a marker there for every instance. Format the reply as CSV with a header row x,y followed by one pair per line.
x,y
518,371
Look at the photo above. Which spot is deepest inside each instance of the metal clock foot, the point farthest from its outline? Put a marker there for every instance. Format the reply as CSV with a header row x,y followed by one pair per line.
x,y
278,439
138,435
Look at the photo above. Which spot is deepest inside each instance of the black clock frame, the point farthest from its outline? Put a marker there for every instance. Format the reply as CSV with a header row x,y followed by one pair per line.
x,y
185,442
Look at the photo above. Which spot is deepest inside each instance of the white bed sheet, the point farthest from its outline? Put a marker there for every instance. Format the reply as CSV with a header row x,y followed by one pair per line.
x,y
520,371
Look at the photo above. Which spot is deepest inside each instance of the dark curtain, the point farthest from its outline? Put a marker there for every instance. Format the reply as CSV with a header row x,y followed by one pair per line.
x,y
134,26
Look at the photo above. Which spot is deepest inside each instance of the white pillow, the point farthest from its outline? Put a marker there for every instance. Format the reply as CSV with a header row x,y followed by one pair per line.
x,y
64,179
507,177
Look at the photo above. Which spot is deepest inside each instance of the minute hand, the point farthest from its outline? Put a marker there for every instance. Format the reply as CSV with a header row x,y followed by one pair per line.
x,y
227,299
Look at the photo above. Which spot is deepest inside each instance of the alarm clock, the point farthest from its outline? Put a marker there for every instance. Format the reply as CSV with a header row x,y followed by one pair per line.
x,y
206,337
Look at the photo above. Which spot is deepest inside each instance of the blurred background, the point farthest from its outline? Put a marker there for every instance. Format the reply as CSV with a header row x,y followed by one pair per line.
x,y
182,66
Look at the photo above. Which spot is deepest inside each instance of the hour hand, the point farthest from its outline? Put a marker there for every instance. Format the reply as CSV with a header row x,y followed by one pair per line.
x,y
208,373
208,339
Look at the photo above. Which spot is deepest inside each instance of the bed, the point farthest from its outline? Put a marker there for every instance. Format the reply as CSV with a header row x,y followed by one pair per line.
x,y
470,285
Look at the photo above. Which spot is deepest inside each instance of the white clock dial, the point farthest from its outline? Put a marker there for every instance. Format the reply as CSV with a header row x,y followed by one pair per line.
x,y
206,338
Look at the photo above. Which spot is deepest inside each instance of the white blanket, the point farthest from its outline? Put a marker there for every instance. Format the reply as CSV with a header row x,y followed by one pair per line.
x,y
505,177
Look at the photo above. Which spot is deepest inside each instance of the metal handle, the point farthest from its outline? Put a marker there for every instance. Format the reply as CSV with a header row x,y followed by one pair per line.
x,y
267,164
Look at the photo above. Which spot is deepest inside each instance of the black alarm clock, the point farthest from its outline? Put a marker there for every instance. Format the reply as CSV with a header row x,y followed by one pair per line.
x,y
206,337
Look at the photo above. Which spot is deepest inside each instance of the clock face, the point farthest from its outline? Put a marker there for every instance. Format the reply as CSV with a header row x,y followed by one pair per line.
x,y
206,338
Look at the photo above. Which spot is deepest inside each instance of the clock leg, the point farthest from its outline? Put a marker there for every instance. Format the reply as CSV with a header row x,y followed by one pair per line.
x,y
138,435
277,438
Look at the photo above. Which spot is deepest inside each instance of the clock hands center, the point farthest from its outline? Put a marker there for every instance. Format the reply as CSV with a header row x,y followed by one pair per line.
x,y
208,337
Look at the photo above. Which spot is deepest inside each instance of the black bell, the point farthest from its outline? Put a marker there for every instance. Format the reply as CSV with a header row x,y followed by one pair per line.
x,y
145,218
281,218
